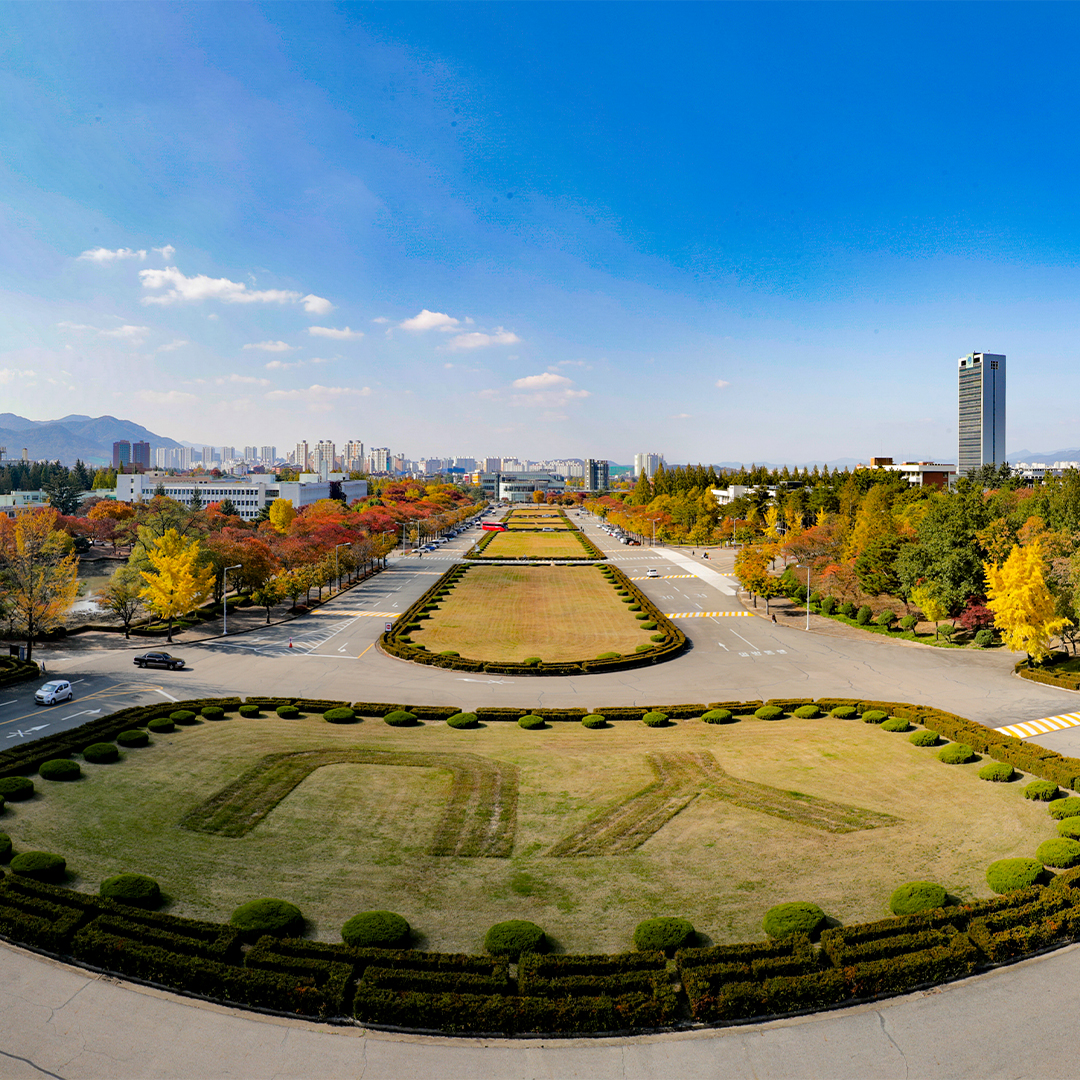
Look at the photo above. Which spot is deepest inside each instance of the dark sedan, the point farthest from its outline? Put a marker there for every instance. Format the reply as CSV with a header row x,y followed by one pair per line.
x,y
159,659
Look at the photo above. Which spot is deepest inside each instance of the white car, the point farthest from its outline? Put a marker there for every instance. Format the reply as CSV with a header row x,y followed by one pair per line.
x,y
53,692
652,572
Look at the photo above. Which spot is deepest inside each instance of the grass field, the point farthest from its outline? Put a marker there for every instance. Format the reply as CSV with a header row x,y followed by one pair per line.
x,y
536,545
358,835
514,612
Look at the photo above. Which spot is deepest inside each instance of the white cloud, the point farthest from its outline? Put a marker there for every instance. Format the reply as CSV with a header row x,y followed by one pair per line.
x,y
10,375
252,379
319,398
166,397
179,286
103,256
381,319
546,390
338,335
166,252
477,340
280,365
680,416
270,346
179,343
317,305
128,333
430,320
721,383
75,326
547,381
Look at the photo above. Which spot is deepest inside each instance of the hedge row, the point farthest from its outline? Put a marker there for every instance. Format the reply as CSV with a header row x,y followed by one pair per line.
x,y
14,670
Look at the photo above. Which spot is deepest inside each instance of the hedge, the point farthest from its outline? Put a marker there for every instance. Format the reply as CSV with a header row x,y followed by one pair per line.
x,y
267,916
400,718
135,889
769,712
1070,827
1042,791
514,937
924,738
717,716
664,934
376,929
462,720
845,712
15,788
40,866
916,896
341,715
1009,875
897,723
655,719
162,725
799,917
133,738
956,754
60,769
1064,808
874,716
531,722
593,721
1060,852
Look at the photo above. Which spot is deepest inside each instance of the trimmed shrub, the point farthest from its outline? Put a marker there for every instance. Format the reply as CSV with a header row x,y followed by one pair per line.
x,y
875,716
1000,772
650,625
1008,875
847,609
828,605
799,917
808,712
163,725
717,716
514,937
984,638
288,712
249,712
59,769
641,616
593,720
532,661
376,930
462,720
845,712
40,866
895,723
658,637
1042,791
655,719
909,622
923,737
664,934
1070,827
633,606
5,847
864,615
213,712
916,896
138,890
1060,852
267,916
956,753
769,712
134,737
1064,808
183,716
344,715
16,788
886,619
609,656
102,753
531,722
400,718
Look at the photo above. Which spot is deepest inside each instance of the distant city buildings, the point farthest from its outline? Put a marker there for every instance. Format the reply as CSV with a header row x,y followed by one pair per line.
x,y
982,411
647,464
128,455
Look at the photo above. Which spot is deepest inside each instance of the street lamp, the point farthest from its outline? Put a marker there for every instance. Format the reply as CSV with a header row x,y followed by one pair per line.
x,y
337,570
225,597
806,567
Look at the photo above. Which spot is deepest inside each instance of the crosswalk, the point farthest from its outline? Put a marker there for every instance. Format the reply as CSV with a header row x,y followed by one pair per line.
x,y
662,577
710,615
335,612
1041,727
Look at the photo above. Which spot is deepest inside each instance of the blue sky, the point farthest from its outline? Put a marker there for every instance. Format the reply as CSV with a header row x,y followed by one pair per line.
x,y
720,232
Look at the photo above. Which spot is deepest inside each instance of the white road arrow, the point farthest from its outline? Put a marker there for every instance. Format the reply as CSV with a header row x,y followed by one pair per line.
x,y
28,731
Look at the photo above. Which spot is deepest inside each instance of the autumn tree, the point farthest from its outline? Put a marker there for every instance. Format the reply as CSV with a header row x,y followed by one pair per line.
x,y
268,594
175,582
752,570
281,514
122,596
925,597
1022,604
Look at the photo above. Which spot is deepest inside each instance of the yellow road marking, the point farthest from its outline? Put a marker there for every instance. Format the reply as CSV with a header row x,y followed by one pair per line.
x,y
1041,727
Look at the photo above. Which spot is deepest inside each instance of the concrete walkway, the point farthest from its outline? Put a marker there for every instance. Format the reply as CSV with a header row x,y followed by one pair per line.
x,y
60,1021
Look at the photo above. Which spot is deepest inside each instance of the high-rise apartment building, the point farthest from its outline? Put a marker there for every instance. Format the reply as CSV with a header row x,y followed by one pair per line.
x,y
380,459
302,456
982,411
322,458
597,474
268,454
647,464
140,456
353,456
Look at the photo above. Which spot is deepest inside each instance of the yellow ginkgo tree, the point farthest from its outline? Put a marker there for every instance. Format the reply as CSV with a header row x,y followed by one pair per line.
x,y
175,583
1023,606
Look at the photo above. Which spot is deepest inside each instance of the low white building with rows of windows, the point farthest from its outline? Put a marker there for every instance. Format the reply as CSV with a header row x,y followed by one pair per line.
x,y
249,494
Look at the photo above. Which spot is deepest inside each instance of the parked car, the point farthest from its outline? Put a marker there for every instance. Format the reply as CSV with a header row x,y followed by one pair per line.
x,y
159,659
53,692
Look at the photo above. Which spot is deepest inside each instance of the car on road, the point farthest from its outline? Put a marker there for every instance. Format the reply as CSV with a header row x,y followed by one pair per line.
x,y
53,692
652,572
159,659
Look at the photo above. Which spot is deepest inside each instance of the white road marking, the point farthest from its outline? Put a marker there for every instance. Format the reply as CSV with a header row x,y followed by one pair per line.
x,y
741,638
11,702
158,690
1041,727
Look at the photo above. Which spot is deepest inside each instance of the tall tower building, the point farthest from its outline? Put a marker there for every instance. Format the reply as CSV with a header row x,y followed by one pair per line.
x,y
982,412
647,464
597,474
354,456
121,455
302,458
322,458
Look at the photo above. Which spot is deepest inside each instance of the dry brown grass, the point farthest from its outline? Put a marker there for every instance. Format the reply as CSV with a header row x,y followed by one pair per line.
x,y
514,612
535,545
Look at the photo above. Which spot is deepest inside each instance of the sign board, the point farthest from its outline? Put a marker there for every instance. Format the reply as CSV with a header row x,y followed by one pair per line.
x,y
389,627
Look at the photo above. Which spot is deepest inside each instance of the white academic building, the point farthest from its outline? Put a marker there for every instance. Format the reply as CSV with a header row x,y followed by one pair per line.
x,y
249,494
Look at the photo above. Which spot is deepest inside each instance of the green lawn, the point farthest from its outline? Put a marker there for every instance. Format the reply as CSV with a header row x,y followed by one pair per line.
x,y
535,545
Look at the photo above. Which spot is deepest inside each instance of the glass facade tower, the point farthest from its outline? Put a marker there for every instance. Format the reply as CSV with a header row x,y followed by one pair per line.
x,y
982,411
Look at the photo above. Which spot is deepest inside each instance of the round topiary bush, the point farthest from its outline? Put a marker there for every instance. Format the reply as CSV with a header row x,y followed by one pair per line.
x,y
463,720
916,896
59,769
650,625
161,726
376,930
400,718
267,916
531,722
593,721
664,934
249,712
213,712
956,753
796,918
847,609
183,716
16,788
924,737
717,716
1008,875
864,615
5,847
655,719
828,606
101,753
1041,791
1070,827
769,712
875,716
895,723
633,606
886,619
514,937
343,715
288,712
1000,772
909,622
1060,852
1064,808
807,712
41,866
138,890
134,737
984,638
845,712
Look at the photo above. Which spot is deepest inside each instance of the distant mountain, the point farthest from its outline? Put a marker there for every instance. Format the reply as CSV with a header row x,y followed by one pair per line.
x,y
1047,456
73,437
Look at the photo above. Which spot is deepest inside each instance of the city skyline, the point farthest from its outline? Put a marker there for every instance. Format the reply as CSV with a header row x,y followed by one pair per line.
x,y
597,226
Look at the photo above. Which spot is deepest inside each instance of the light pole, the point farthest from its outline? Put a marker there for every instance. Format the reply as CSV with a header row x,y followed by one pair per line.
x,y
806,567
337,570
225,597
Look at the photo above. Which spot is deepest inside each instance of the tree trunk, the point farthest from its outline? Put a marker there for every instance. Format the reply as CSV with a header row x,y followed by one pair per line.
x,y
168,639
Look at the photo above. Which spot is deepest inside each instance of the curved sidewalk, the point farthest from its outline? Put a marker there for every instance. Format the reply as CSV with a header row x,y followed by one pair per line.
x,y
60,1021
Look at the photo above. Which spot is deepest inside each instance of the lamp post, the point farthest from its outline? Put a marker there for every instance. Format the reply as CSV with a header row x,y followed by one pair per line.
x,y
806,567
337,570
225,597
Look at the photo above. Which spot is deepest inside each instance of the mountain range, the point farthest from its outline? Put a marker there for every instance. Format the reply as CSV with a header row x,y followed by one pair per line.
x,y
72,438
